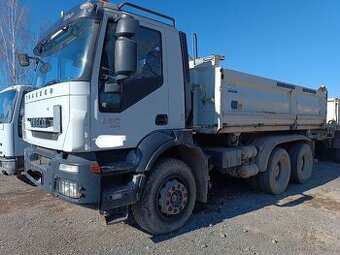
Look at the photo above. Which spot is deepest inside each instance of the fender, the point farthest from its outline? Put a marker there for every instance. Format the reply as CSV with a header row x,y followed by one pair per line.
x,y
265,146
155,144
152,143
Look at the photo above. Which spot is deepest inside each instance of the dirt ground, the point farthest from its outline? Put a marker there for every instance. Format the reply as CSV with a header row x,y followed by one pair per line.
x,y
303,220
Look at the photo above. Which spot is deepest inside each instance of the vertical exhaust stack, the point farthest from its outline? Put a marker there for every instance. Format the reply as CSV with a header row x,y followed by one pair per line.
x,y
194,47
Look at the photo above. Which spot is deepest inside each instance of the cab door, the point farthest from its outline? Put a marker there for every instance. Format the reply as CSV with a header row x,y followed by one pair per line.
x,y
125,113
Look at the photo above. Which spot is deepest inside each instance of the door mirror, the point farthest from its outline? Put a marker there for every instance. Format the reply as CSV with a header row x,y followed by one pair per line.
x,y
127,26
125,47
24,60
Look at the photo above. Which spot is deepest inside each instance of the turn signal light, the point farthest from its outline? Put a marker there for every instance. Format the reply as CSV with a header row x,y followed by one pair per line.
x,y
95,168
104,1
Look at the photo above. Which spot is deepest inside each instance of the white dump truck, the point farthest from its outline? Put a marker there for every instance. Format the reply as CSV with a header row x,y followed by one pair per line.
x,y
119,120
11,142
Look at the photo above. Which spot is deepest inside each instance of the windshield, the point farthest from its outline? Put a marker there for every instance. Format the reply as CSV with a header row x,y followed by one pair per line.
x,y
7,105
66,54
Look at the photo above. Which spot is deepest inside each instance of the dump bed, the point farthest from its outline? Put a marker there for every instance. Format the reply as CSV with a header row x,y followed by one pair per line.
x,y
228,101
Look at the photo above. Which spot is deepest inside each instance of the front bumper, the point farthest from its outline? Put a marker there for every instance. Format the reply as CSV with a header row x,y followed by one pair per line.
x,y
9,166
42,168
105,191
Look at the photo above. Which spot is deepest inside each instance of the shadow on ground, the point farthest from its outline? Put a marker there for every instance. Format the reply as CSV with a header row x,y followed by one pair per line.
x,y
230,197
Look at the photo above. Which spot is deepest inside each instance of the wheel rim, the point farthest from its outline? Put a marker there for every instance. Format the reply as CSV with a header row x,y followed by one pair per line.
x,y
172,198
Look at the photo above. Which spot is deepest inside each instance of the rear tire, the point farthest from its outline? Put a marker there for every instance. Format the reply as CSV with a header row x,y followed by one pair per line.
x,y
168,198
302,162
276,177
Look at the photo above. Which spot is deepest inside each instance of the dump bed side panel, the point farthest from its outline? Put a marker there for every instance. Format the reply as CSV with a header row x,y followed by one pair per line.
x,y
239,102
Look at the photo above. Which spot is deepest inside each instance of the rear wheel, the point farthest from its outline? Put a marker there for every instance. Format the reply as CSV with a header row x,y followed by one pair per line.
x,y
276,177
302,162
168,198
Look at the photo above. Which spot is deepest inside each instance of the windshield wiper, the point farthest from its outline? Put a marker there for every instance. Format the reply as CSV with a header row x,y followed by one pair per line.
x,y
51,82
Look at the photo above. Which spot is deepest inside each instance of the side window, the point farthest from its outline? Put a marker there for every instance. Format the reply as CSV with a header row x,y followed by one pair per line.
x,y
148,78
149,54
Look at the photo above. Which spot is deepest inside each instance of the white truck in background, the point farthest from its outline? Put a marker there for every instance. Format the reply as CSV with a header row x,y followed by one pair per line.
x,y
119,120
333,118
11,142
333,110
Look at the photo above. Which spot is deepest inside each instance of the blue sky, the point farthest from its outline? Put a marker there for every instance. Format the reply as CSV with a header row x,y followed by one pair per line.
x,y
296,41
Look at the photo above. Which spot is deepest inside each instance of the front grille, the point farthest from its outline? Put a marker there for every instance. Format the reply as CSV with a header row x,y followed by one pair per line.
x,y
45,135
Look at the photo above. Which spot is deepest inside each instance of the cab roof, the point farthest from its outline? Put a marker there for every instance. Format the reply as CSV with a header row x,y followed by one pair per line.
x,y
18,88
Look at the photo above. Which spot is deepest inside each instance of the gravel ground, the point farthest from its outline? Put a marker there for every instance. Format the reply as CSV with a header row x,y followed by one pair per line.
x,y
303,220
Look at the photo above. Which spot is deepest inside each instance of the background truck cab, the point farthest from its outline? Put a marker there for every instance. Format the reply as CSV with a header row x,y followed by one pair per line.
x,y
11,142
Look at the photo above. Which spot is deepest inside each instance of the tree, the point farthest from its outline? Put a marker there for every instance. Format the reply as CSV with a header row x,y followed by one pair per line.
x,y
15,37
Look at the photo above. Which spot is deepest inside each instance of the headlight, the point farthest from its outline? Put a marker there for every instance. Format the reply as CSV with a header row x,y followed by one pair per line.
x,y
68,188
69,168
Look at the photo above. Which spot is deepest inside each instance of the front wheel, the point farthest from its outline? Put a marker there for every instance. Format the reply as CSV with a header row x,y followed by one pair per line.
x,y
168,198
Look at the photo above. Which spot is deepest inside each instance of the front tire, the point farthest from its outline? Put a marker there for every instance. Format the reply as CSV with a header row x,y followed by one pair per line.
x,y
168,198
276,177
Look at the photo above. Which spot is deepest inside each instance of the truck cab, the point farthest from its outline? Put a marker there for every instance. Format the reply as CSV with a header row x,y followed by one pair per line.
x,y
109,93
11,140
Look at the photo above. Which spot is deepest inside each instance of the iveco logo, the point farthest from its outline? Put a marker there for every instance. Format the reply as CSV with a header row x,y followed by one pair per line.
x,y
41,122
